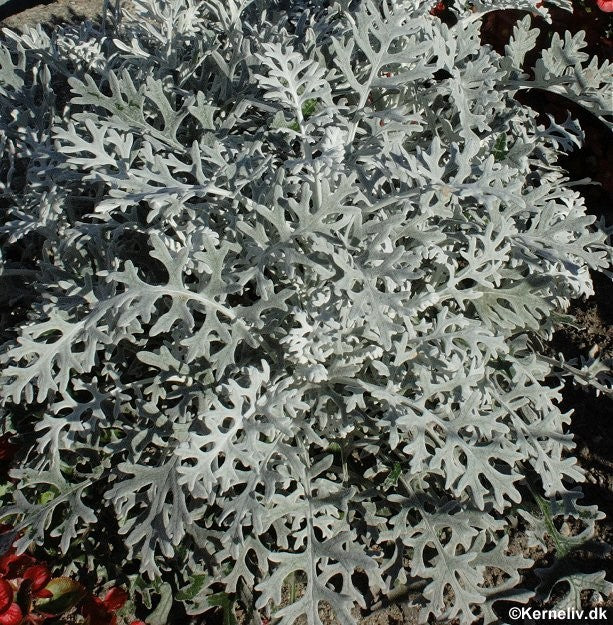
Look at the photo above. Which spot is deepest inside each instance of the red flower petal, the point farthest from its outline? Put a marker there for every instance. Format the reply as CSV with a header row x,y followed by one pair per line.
x,y
12,616
438,8
95,612
39,575
138,623
605,5
92,604
6,595
115,598
12,565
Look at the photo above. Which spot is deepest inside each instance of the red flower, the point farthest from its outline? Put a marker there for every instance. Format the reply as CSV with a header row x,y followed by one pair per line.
x,y
11,616
6,595
115,599
28,594
102,611
138,623
95,613
10,612
438,8
12,565
605,5
39,577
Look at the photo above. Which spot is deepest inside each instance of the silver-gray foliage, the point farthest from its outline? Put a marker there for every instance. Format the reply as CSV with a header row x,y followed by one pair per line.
x,y
279,276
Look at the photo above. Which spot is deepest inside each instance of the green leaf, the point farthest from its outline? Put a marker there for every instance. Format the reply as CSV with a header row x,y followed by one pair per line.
x,y
5,489
500,148
47,496
226,603
392,478
308,108
66,594
196,585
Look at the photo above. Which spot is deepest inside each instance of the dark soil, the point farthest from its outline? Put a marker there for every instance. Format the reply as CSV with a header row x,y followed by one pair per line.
x,y
591,334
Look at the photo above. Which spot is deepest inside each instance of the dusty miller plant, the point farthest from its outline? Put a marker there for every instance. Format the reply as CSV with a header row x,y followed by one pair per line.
x,y
277,279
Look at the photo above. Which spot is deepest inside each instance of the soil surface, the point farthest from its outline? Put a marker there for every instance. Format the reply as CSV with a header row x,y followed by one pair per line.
x,y
17,14
590,335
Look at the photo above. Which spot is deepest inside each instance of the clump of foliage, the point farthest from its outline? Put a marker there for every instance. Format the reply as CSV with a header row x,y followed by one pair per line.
x,y
276,277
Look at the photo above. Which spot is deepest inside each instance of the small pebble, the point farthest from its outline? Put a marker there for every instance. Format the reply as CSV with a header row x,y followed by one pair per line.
x,y
565,530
